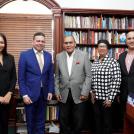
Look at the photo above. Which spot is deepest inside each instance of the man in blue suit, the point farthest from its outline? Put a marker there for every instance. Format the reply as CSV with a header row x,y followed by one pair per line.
x,y
36,83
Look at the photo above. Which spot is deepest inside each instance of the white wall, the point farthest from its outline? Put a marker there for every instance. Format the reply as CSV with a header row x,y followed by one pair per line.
x,y
98,4
32,7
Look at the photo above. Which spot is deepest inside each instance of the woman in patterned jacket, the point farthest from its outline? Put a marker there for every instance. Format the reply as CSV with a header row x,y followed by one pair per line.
x,y
106,80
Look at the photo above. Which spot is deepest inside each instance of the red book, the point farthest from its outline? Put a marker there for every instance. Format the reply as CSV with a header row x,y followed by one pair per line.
x,y
92,37
82,25
96,52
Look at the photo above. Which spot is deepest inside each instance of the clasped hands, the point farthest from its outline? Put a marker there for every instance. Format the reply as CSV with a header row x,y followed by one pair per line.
x,y
106,103
5,100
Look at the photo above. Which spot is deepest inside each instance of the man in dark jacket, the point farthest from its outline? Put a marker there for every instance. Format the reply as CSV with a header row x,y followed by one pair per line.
x,y
127,71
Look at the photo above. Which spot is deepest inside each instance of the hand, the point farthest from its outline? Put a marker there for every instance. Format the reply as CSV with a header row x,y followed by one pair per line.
x,y
107,103
82,97
1,99
27,100
49,97
118,99
6,98
58,97
92,97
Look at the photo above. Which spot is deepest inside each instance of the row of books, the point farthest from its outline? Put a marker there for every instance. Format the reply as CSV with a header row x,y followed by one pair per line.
x,y
52,113
118,23
80,37
82,22
93,52
95,36
118,38
94,22
20,114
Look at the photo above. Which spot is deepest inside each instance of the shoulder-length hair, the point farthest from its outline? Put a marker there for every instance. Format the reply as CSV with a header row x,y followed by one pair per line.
x,y
4,51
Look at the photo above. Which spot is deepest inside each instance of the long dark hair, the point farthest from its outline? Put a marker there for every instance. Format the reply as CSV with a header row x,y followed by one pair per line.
x,y
4,51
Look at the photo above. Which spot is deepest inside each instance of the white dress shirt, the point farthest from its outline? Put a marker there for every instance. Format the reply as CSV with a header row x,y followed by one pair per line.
x,y
37,56
70,62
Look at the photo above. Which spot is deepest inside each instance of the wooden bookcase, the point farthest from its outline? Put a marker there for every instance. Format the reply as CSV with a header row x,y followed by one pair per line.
x,y
88,26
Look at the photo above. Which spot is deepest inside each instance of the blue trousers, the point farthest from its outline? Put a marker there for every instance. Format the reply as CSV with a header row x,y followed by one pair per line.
x,y
36,115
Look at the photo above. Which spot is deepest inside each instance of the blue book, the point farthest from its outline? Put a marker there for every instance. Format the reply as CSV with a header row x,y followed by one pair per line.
x,y
66,33
116,37
57,116
69,32
103,24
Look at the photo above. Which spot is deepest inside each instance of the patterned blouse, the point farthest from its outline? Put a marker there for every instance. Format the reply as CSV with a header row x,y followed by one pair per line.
x,y
106,78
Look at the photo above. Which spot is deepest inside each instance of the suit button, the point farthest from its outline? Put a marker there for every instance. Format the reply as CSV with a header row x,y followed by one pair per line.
x,y
69,79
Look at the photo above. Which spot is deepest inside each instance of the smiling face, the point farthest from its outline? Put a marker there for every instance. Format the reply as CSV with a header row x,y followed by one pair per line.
x,y
2,44
102,49
130,40
69,45
39,43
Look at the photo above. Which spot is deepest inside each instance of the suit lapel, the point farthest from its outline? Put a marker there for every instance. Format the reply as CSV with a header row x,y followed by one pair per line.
x,y
132,67
65,61
75,58
124,64
35,62
5,62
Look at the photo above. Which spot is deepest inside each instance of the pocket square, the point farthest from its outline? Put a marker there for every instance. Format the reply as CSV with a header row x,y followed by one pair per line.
x,y
77,63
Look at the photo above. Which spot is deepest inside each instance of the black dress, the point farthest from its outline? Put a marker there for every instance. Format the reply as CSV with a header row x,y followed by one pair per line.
x,y
7,84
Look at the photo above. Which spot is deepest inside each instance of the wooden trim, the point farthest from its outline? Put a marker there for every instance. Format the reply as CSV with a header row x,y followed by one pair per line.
x,y
8,15
51,4
98,11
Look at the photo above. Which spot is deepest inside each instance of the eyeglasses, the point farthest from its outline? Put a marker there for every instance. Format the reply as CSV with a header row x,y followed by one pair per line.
x,y
102,47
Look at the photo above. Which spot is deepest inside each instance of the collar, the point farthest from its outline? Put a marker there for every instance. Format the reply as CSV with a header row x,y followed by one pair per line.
x,y
105,58
71,54
129,52
35,51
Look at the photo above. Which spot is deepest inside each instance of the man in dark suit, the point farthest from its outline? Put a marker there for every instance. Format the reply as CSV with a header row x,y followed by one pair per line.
x,y
126,60
36,83
72,86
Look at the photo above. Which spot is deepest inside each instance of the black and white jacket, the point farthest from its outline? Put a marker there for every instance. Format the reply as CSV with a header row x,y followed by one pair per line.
x,y
106,78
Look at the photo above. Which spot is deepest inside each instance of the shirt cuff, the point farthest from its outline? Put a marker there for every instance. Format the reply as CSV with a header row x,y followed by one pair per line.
x,y
24,96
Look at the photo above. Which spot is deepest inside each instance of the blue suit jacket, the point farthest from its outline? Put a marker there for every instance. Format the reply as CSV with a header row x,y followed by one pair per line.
x,y
30,76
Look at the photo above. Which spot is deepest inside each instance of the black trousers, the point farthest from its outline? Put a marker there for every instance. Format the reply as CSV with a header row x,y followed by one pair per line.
x,y
4,117
71,116
102,118
123,110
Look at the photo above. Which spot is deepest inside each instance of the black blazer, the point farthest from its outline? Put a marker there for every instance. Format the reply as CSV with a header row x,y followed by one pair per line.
x,y
127,83
7,75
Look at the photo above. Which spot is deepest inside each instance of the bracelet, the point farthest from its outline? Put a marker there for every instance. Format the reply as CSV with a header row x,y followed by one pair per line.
x,y
10,92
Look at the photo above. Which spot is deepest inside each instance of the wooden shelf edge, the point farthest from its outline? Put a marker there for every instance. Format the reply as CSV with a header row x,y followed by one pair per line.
x,y
97,29
81,44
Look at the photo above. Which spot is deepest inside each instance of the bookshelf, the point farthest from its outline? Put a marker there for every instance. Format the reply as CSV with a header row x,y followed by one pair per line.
x,y
52,115
88,26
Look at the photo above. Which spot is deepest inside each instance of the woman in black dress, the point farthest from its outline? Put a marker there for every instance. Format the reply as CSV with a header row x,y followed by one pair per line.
x,y
7,83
